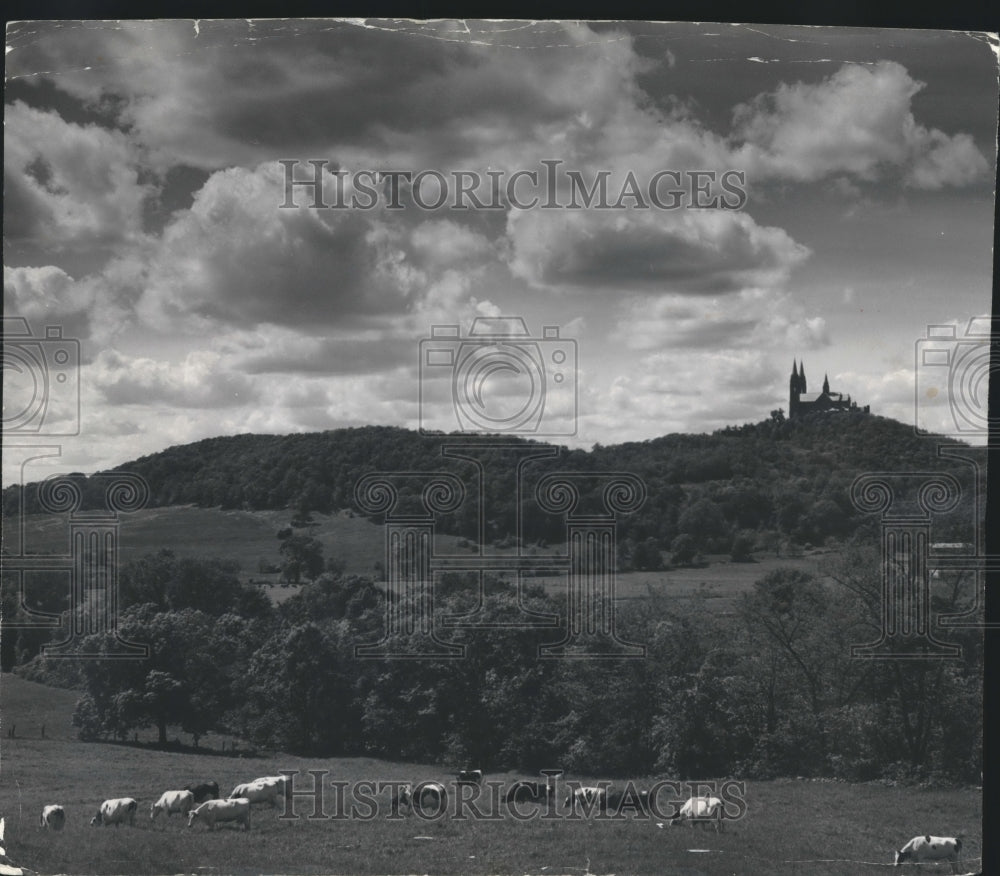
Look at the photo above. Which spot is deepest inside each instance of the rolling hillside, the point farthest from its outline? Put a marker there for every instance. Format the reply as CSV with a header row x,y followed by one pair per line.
x,y
778,480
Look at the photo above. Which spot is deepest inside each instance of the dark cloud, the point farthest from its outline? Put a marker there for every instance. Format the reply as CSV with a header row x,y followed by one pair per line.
x,y
703,253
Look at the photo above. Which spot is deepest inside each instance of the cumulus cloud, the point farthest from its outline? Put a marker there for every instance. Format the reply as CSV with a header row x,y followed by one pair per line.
x,y
230,94
48,296
198,381
72,185
670,390
236,260
442,242
705,252
96,307
859,121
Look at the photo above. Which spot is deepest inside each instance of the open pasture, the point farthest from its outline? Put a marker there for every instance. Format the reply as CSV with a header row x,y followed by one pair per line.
x,y
787,820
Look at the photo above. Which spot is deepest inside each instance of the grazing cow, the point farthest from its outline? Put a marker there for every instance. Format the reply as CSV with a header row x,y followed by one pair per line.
x,y
212,811
204,791
428,796
530,792
282,780
54,817
922,849
120,810
172,801
264,790
700,810
588,797
470,777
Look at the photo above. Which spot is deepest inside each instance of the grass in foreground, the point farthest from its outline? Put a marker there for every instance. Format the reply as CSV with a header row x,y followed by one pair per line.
x,y
787,820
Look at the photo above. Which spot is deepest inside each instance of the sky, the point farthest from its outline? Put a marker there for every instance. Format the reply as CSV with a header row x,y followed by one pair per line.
x,y
773,192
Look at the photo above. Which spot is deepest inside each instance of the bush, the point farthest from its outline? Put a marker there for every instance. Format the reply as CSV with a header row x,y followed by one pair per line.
x,y
683,550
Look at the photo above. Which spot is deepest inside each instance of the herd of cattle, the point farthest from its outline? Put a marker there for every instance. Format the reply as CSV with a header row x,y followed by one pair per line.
x,y
196,802
202,803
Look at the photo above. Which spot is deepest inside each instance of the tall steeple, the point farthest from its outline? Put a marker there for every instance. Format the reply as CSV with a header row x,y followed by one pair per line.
x,y
826,384
793,390
802,377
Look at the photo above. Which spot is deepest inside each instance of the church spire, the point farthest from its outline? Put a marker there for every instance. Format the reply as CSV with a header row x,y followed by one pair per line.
x,y
802,377
826,384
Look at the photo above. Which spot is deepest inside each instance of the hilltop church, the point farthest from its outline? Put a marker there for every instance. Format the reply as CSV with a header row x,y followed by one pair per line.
x,y
801,402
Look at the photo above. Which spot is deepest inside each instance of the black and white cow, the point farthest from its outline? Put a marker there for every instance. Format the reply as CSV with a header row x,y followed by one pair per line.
x,y
430,797
706,811
53,817
924,849
119,810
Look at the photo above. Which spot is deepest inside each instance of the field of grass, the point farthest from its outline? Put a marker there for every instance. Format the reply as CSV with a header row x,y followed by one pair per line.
x,y
251,536
791,826
244,536
719,580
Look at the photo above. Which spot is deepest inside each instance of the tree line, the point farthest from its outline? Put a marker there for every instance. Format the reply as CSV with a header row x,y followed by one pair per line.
x,y
766,689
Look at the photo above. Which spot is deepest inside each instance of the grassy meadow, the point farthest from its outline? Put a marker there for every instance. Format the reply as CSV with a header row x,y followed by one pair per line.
x,y
791,826
251,536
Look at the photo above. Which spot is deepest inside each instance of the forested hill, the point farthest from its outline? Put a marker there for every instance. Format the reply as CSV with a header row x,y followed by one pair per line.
x,y
779,479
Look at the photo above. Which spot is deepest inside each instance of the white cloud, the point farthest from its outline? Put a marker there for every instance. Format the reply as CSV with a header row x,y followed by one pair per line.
x,y
236,259
48,296
75,186
674,390
94,309
859,121
199,380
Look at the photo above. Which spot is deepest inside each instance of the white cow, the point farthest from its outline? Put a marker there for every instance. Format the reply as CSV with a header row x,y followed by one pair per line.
x,y
258,791
54,817
430,797
212,811
120,810
922,849
700,810
588,797
284,783
281,780
172,801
